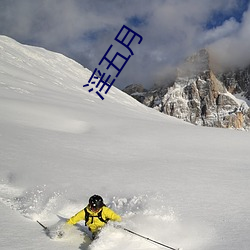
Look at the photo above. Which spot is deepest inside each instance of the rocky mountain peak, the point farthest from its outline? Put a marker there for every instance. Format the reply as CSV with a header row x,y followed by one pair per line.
x,y
202,97
196,64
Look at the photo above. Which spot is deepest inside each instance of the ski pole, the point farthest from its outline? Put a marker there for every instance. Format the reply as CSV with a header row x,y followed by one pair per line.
x,y
146,238
45,228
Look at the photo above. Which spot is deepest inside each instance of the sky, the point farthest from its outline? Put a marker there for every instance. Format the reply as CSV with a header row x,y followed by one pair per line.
x,y
171,30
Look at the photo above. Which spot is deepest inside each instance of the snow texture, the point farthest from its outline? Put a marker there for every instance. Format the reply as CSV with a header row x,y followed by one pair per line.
x,y
182,185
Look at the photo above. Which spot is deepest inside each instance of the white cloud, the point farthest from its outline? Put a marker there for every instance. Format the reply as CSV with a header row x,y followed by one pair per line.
x,y
233,50
228,28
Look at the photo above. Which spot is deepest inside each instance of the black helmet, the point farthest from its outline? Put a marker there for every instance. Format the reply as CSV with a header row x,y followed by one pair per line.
x,y
95,202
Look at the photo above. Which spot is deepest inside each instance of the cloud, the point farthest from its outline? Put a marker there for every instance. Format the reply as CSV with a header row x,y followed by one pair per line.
x,y
233,49
228,28
84,30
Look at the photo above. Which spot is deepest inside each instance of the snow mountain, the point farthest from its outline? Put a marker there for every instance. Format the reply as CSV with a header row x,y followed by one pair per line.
x,y
182,185
201,96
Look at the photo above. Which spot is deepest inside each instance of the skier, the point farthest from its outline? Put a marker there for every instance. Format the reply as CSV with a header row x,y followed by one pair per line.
x,y
95,214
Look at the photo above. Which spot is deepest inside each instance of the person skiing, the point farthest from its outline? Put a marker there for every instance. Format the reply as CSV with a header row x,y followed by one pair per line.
x,y
95,214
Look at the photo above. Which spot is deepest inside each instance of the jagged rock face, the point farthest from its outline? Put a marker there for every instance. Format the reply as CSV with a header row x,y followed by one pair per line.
x,y
133,88
137,91
237,81
199,97
205,102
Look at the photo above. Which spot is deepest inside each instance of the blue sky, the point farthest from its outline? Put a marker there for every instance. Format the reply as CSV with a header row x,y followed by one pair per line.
x,y
218,17
171,31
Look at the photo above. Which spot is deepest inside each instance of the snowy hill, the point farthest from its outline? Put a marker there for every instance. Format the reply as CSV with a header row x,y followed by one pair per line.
x,y
176,183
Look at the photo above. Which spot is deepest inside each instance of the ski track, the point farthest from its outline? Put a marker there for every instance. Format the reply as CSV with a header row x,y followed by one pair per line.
x,y
144,214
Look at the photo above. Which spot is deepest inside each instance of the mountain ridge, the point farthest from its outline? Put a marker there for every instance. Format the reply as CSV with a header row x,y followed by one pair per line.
x,y
201,95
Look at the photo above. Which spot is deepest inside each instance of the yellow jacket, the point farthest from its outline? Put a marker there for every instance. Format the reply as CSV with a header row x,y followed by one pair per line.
x,y
94,223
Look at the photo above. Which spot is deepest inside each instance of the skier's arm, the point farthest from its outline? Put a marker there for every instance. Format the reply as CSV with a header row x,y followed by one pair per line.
x,y
77,217
110,214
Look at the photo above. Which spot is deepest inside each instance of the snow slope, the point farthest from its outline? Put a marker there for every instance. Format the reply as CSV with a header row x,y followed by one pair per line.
x,y
176,183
